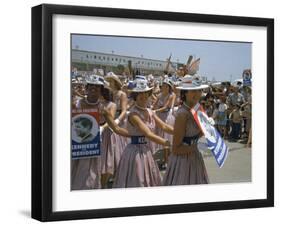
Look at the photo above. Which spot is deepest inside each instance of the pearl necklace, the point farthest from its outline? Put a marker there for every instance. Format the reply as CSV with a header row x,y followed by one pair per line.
x,y
141,108
98,101
186,106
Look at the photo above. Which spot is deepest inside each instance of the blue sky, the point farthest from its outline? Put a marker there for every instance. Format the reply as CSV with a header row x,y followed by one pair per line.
x,y
219,60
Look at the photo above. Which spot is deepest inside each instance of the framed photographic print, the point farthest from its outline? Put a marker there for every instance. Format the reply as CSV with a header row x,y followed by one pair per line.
x,y
145,112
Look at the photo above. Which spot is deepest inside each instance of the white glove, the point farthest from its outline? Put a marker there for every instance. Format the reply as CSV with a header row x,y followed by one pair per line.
x,y
171,110
211,121
101,130
117,121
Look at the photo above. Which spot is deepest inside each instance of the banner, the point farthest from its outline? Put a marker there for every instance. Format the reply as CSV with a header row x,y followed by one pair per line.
x,y
247,77
85,133
214,140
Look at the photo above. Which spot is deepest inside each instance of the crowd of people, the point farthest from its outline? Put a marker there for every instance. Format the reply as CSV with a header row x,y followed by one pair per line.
x,y
141,117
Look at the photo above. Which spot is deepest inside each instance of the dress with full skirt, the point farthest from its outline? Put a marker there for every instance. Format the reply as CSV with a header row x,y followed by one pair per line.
x,y
137,167
167,117
186,169
117,142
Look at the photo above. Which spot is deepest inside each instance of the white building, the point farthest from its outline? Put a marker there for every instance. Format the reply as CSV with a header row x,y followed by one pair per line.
x,y
108,61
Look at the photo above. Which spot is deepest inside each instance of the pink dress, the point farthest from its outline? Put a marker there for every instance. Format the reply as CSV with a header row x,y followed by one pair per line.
x,y
137,167
167,117
108,164
118,143
186,169
86,173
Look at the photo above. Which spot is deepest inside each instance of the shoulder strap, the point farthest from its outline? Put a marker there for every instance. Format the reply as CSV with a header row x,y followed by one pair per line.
x,y
136,111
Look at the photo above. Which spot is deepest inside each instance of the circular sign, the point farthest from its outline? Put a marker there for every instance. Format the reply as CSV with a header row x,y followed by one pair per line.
x,y
84,128
207,128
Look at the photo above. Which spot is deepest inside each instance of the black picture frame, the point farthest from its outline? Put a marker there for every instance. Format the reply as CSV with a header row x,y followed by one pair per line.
x,y
42,111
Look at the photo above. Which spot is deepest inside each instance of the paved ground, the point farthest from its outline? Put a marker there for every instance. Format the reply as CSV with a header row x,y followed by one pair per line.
x,y
237,167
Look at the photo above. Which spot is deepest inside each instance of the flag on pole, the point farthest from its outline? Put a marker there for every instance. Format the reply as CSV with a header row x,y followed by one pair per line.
x,y
194,67
214,140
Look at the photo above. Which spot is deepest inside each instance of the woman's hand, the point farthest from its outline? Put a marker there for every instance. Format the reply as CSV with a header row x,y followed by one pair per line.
x,y
167,144
106,112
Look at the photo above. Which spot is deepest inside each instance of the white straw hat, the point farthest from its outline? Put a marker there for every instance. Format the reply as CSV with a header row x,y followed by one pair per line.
x,y
191,82
111,75
95,80
168,82
140,84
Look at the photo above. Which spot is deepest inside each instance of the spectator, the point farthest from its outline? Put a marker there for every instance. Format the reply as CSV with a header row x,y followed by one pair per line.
x,y
209,108
235,98
247,117
215,115
236,118
222,117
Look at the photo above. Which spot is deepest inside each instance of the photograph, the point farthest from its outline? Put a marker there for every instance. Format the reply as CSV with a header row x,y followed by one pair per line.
x,y
141,112
150,111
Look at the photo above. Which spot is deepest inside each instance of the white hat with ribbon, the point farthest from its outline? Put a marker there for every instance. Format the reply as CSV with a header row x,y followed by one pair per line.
x,y
191,82
168,81
96,80
140,84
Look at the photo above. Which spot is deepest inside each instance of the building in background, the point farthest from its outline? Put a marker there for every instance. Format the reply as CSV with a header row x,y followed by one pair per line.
x,y
119,64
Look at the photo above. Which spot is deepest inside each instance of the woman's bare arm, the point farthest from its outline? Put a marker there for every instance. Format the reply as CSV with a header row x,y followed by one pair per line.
x,y
114,126
111,111
155,102
124,103
137,122
168,104
179,148
164,126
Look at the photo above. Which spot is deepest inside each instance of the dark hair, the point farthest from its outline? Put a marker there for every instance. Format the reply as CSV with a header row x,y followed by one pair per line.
x,y
85,122
170,88
135,94
107,94
87,86
182,95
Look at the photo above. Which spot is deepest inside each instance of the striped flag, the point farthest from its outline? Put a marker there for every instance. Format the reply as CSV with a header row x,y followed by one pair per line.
x,y
194,67
214,140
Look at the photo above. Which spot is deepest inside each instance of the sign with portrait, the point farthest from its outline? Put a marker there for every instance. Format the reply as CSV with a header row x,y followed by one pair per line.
x,y
215,143
85,133
247,77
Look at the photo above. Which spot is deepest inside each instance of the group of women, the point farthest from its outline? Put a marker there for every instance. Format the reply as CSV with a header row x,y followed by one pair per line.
x,y
133,129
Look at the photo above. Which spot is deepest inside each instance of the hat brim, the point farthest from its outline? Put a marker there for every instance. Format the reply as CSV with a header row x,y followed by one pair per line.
x,y
95,83
192,87
140,90
169,84
108,77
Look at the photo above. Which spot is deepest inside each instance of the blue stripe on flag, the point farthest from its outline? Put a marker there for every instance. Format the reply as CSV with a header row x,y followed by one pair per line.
x,y
219,149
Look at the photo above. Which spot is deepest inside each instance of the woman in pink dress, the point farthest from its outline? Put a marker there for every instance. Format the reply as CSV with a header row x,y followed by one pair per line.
x,y
107,150
163,107
137,167
186,164
115,143
86,172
